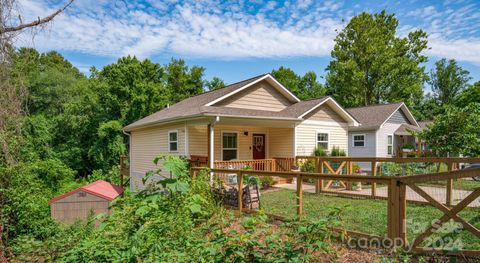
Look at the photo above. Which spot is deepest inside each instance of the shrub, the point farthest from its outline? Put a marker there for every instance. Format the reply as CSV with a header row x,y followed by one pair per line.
x,y
267,182
319,151
336,151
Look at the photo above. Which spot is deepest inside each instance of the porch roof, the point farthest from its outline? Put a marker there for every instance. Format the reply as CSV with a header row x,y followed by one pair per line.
x,y
406,129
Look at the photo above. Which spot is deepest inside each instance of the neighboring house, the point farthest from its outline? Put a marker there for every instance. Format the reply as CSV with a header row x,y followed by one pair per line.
x,y
384,131
257,118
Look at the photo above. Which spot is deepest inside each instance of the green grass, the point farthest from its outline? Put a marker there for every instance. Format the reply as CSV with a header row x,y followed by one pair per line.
x,y
364,215
463,184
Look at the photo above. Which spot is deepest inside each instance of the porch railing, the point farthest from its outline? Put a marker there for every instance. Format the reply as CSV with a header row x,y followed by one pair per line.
x,y
259,165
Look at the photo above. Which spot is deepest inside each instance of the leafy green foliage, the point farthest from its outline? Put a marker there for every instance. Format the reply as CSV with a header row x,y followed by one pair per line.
x,y
336,151
319,151
456,131
448,80
306,87
372,65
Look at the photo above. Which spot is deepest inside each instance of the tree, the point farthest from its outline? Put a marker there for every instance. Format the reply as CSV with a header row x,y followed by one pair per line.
x,y
447,81
182,81
455,131
470,95
372,65
306,87
215,83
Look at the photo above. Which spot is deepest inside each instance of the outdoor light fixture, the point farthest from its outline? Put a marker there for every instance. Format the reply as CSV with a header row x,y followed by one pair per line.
x,y
245,133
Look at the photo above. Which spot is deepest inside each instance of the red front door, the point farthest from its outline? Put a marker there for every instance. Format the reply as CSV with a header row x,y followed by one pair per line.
x,y
258,146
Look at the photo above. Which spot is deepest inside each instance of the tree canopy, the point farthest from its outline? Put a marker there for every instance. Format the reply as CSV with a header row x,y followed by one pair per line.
x,y
447,81
371,64
304,87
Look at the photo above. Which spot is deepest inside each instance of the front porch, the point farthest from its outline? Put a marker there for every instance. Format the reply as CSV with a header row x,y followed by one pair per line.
x,y
259,144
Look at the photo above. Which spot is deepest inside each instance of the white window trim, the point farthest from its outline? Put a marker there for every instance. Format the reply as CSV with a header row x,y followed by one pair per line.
x,y
364,140
238,144
393,143
316,138
170,132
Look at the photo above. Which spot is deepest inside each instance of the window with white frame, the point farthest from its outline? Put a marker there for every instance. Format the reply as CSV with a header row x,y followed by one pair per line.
x,y
229,146
389,144
173,141
358,140
322,140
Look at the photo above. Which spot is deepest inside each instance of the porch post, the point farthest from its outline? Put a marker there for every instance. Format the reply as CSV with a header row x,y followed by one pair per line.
x,y
419,147
211,155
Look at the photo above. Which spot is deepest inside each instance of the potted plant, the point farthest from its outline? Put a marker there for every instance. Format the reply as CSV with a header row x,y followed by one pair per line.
x,y
408,147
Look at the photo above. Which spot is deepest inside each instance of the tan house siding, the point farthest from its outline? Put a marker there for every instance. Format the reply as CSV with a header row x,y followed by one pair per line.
x,y
280,142
78,206
148,143
261,96
244,141
325,113
198,140
307,140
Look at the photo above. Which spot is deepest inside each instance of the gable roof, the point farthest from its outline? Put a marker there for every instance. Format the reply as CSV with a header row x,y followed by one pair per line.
x,y
204,105
375,116
99,188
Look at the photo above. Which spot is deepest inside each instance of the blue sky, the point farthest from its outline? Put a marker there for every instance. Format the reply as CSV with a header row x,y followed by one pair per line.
x,y
235,40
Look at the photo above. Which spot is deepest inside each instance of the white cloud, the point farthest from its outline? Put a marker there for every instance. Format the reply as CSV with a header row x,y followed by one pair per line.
x,y
236,29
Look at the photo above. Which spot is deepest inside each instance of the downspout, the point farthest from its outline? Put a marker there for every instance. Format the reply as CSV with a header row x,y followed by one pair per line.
x,y
129,157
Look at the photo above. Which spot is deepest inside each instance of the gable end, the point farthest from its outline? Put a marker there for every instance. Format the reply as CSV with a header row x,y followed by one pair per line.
x,y
399,117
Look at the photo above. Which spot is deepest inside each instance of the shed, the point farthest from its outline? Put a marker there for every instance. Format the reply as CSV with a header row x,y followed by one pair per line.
x,y
78,204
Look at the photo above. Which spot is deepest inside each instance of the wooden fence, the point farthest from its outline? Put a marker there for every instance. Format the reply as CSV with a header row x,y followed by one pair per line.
x,y
396,199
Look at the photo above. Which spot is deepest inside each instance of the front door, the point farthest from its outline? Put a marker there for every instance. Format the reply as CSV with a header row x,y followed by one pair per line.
x,y
258,146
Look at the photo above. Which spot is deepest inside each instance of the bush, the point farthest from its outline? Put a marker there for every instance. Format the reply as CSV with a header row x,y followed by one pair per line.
x,y
336,151
267,182
319,151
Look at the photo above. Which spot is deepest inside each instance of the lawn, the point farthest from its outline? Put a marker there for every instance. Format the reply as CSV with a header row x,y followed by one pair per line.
x,y
364,215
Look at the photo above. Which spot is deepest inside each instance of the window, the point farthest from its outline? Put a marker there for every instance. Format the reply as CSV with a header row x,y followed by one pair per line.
x,y
322,140
229,146
389,144
173,141
358,140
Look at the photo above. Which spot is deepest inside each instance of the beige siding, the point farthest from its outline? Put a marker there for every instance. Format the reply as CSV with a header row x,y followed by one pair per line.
x,y
78,206
261,96
198,140
280,142
325,113
148,143
306,137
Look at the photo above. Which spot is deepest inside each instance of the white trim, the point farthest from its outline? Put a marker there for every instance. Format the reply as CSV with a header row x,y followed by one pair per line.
x,y
409,115
364,140
285,90
393,143
238,144
343,111
187,146
168,139
328,139
212,151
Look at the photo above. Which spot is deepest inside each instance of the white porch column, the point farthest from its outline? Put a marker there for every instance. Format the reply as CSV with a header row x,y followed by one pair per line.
x,y
211,155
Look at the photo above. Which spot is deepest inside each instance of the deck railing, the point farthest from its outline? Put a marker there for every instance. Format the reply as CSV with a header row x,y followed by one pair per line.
x,y
396,204
260,165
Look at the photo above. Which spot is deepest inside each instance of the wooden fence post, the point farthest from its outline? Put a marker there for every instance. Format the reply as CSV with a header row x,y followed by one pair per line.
x,y
319,183
240,191
374,173
299,195
396,210
449,197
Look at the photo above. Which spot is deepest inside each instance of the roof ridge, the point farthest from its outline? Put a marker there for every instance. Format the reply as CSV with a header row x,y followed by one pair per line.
x,y
318,98
374,105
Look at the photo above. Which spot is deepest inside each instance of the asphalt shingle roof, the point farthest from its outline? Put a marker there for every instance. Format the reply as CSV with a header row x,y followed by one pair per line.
x,y
375,115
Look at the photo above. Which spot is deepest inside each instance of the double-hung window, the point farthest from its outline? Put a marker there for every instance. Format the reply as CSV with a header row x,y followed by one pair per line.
x,y
358,140
173,141
229,146
389,144
322,140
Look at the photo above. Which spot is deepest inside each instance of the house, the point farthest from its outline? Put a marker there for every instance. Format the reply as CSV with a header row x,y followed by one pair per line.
x,y
80,203
384,131
254,119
